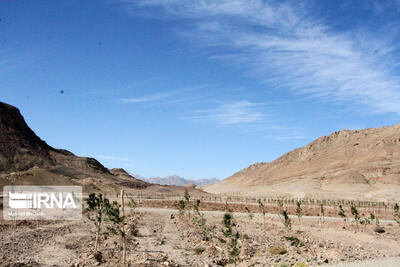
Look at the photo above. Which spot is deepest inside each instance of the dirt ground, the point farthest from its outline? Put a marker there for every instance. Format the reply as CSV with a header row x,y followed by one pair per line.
x,y
163,238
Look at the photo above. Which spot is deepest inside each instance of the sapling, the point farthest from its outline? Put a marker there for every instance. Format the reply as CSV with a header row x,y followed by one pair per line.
x,y
200,221
287,222
280,208
98,204
262,210
298,210
118,220
232,234
365,222
355,214
227,208
249,213
396,214
342,214
186,196
132,205
321,214
181,207
372,218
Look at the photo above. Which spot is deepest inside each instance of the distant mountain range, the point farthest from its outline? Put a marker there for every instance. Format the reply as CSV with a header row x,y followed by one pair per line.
x,y
177,180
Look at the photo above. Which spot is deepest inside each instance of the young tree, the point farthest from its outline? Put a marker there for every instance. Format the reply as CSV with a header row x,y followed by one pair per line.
x,y
98,204
355,214
249,213
132,205
229,230
321,213
342,214
262,210
280,208
200,221
396,214
372,218
298,210
287,222
186,196
117,217
365,222
181,207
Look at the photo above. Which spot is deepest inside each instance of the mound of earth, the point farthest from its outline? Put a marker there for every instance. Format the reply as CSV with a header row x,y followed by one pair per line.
x,y
348,164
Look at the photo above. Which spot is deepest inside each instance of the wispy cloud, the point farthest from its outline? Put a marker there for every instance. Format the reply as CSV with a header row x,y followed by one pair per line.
x,y
289,48
241,112
147,98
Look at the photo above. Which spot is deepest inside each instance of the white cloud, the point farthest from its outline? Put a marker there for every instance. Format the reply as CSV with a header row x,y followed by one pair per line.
x,y
285,46
241,112
147,98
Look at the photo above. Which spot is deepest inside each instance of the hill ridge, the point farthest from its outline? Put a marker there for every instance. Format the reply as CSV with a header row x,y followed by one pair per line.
x,y
328,166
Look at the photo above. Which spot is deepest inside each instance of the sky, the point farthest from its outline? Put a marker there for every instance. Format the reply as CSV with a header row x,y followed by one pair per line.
x,y
199,88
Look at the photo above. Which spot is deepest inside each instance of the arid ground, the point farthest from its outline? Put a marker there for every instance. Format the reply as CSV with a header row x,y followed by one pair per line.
x,y
163,237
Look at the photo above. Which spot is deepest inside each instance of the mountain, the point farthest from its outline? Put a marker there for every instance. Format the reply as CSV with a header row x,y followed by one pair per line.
x,y
26,159
349,164
177,180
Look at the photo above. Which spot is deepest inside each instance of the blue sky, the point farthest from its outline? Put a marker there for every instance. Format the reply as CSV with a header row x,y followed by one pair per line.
x,y
198,88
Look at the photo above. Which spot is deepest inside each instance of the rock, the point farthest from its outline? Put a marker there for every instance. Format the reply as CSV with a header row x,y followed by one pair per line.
x,y
379,229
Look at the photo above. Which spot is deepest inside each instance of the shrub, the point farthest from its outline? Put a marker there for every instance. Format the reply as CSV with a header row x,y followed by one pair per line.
x,y
199,249
294,241
277,250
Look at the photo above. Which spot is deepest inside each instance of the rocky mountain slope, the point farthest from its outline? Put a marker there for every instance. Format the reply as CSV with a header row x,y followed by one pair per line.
x,y
25,159
21,149
177,180
346,164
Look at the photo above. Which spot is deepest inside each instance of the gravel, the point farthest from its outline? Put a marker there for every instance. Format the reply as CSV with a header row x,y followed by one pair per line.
x,y
383,262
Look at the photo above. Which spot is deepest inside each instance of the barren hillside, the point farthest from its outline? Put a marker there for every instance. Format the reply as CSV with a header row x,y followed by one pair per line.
x,y
25,159
346,164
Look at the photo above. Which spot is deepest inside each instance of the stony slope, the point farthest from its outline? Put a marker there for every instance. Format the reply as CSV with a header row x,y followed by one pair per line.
x,y
346,164
25,159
